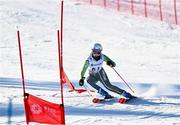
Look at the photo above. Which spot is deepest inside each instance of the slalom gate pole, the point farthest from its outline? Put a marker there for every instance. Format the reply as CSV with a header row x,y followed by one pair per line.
x,y
60,54
60,67
22,74
21,62
61,51
123,80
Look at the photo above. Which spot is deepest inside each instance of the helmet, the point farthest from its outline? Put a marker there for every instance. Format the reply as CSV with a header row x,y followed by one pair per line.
x,y
96,50
97,47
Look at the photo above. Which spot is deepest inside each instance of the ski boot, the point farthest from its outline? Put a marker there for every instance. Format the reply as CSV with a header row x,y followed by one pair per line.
x,y
105,94
127,95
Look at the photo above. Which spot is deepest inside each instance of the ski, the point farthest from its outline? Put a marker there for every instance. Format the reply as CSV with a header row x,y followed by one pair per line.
x,y
98,100
124,100
119,100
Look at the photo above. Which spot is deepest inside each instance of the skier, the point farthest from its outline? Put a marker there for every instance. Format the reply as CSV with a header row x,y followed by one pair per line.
x,y
97,73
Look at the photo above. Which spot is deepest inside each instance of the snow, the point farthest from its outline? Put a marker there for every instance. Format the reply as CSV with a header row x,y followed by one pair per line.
x,y
146,53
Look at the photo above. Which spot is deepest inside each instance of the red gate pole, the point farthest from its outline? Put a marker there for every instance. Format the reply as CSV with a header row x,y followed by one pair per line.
x,y
118,5
132,6
104,3
21,62
145,8
60,67
60,40
22,72
160,10
175,13
90,1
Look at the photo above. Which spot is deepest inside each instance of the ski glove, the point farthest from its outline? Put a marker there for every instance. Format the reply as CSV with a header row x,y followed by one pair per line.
x,y
81,81
111,63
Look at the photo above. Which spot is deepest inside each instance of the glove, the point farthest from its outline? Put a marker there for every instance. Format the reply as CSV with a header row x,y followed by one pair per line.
x,y
81,81
111,63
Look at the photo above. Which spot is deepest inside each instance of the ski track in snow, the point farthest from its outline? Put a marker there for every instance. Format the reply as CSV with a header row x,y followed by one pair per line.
x,y
146,52
79,109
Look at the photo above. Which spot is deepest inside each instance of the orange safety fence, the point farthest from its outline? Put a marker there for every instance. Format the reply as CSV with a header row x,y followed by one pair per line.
x,y
164,10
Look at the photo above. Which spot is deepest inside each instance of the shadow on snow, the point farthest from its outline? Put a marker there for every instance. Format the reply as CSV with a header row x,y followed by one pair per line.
x,y
70,110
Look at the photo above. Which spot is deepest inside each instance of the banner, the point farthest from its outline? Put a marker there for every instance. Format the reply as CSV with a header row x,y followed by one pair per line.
x,y
41,111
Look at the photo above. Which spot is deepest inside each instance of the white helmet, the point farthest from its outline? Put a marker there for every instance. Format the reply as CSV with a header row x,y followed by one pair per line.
x,y
97,47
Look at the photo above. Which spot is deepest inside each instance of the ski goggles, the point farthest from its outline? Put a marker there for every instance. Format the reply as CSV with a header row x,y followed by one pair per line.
x,y
96,51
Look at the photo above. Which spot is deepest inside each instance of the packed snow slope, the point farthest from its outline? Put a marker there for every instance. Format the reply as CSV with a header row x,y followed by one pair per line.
x,y
146,53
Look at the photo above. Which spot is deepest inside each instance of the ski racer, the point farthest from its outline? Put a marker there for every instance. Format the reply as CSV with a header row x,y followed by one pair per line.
x,y
97,73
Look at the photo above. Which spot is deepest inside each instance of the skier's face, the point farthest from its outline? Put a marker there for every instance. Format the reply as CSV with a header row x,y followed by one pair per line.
x,y
96,52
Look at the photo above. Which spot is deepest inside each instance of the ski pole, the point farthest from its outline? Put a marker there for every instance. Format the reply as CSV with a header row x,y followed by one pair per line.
x,y
123,80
